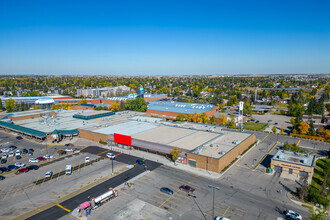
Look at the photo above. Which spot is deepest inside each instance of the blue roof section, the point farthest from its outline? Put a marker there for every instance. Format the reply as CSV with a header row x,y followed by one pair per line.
x,y
180,107
295,158
133,96
25,130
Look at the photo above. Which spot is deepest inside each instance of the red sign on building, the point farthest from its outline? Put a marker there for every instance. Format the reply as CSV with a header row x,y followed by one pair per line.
x,y
122,139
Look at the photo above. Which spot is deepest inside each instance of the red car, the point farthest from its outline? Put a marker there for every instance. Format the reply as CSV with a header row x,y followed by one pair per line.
x,y
187,188
23,170
41,158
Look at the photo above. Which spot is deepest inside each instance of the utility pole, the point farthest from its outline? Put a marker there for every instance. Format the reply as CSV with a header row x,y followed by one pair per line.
x,y
217,188
112,164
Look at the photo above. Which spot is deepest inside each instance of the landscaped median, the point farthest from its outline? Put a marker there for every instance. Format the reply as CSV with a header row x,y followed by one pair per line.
x,y
255,167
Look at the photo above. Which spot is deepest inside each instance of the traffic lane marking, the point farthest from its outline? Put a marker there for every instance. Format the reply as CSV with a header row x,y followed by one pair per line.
x,y
161,204
298,142
220,203
154,213
58,175
173,198
243,166
35,183
263,138
68,210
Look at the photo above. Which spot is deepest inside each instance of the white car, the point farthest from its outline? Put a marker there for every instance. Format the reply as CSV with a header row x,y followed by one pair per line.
x,y
11,154
5,150
87,160
69,150
48,174
19,164
292,214
111,156
18,153
47,156
32,160
4,156
221,218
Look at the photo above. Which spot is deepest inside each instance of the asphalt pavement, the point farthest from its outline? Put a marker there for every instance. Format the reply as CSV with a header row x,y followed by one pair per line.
x,y
56,212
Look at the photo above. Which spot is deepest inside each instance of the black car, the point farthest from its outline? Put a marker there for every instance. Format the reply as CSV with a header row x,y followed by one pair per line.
x,y
19,138
3,161
166,190
31,150
2,177
25,151
12,167
12,147
32,167
18,157
140,162
3,169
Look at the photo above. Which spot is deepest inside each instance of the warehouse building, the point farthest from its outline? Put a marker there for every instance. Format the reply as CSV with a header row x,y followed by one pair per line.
x,y
173,109
293,165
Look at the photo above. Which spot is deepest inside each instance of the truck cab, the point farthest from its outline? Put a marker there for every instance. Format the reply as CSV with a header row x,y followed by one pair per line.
x,y
68,169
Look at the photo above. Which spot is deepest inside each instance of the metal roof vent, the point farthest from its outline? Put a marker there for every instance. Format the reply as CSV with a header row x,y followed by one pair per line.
x,y
280,156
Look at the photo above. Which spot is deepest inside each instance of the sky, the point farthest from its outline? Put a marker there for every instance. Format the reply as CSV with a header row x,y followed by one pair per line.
x,y
164,37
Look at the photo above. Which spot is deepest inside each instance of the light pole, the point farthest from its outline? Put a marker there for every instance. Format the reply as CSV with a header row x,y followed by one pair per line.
x,y
197,205
112,164
217,188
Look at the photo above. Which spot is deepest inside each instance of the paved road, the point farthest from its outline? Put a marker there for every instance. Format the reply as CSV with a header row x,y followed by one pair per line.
x,y
56,212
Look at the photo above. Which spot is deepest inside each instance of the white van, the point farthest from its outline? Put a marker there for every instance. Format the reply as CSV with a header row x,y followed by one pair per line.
x,y
68,169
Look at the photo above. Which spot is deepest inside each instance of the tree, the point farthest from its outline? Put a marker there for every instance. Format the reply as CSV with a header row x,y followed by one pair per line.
x,y
180,117
82,101
282,130
66,107
204,118
56,107
10,105
231,123
318,214
1,107
303,127
292,120
274,129
223,120
212,120
122,106
114,107
175,153
138,104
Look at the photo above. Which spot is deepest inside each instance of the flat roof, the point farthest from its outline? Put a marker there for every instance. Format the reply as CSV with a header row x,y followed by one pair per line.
x,y
179,107
29,112
294,157
92,112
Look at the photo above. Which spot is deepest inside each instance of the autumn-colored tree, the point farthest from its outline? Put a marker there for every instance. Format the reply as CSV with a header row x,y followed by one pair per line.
x,y
66,107
56,107
274,129
303,127
204,118
189,117
175,153
114,107
223,120
212,120
327,134
82,101
282,130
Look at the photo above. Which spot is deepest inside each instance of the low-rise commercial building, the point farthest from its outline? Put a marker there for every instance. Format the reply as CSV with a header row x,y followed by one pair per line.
x,y
294,165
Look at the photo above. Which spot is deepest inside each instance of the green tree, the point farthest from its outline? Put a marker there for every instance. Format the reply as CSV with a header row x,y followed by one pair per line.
x,y
180,117
10,105
1,107
318,214
122,106
274,129
212,120
138,104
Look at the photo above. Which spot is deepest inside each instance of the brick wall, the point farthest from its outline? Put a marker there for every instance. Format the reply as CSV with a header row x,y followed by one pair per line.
x,y
217,165
93,136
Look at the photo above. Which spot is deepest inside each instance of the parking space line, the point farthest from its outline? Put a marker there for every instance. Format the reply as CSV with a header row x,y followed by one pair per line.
x,y
83,148
169,200
63,208
47,199
18,188
298,142
43,182
79,166
155,213
135,183
161,204
140,213
8,192
139,180
2,190
226,211
181,182
103,152
58,175
35,183
231,207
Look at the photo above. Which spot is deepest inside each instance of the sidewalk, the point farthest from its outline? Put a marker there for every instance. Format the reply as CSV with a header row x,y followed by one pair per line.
x,y
164,161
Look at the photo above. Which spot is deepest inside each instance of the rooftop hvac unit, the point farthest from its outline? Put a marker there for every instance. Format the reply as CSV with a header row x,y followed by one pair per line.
x,y
304,161
280,156
211,145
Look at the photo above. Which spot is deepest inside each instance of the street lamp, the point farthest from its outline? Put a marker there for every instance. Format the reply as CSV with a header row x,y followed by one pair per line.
x,y
217,188
193,196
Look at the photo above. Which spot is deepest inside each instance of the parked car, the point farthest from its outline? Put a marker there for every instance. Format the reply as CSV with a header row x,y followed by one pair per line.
x,y
18,157
4,156
166,190
18,152
276,123
292,214
87,160
23,170
47,156
48,174
41,158
12,147
32,167
69,150
69,145
5,150
187,188
19,138
30,153
111,156
25,151
33,160
140,162
19,164
3,161
221,218
2,177
3,169
12,167
11,154
31,150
